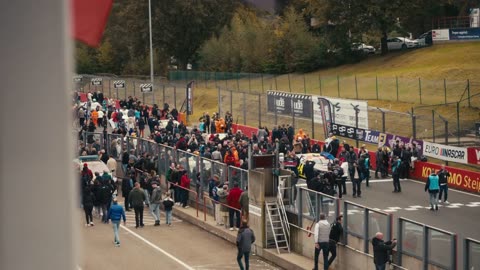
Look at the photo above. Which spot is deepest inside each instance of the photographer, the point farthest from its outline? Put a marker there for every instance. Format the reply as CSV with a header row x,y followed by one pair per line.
x,y
382,251
443,175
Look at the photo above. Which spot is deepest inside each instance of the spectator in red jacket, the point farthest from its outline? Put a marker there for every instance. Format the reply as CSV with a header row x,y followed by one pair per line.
x,y
229,158
185,184
233,200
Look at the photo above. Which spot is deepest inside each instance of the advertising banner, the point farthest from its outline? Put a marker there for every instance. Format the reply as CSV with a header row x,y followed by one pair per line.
x,y
389,140
440,35
347,131
464,33
473,154
445,152
287,103
343,112
459,179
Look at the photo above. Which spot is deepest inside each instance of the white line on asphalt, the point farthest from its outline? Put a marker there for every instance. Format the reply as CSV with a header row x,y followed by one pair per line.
x,y
158,248
375,181
450,189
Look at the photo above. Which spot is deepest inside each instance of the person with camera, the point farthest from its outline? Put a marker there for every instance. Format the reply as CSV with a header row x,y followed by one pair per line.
x,y
443,175
382,251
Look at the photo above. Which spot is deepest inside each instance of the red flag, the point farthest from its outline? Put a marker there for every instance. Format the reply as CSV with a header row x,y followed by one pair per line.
x,y
89,20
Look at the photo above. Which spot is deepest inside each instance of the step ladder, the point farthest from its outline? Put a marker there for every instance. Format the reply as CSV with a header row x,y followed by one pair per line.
x,y
277,228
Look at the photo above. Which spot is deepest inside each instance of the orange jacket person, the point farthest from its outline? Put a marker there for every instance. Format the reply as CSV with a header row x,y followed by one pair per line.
x,y
95,117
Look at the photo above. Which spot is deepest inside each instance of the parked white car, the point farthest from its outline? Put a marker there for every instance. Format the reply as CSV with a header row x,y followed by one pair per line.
x,y
363,47
400,43
425,39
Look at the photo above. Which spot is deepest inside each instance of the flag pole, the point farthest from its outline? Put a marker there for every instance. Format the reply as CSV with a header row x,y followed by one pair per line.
x,y
151,47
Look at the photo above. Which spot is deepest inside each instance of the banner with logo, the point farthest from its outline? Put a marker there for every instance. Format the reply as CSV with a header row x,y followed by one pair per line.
x,y
347,131
287,104
464,33
390,140
473,154
459,178
445,152
189,95
343,112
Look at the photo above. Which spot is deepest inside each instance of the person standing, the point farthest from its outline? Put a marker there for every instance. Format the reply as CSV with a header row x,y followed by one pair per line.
x,y
336,231
115,214
88,199
352,167
243,200
381,251
168,206
432,186
379,162
136,197
245,239
322,239
127,186
155,201
233,201
185,184
396,164
222,194
443,175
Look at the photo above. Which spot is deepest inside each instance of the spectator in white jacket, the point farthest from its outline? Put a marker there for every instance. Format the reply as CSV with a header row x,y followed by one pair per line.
x,y
322,239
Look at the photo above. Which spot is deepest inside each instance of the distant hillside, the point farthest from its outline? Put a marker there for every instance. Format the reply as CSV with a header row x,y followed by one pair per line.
x,y
454,61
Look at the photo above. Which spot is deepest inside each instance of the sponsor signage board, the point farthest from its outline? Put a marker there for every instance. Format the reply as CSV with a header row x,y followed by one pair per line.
x,y
464,33
440,35
343,112
287,104
459,178
445,152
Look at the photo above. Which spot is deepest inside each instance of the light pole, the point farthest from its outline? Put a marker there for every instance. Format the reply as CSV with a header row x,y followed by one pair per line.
x,y
357,110
151,46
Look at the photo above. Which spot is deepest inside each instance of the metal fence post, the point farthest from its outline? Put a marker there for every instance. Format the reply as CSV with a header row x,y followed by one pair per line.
x,y
231,101
259,110
365,230
468,92
399,241
244,109
219,100
396,79
425,247
163,94
458,122
109,89
345,223
320,83
116,90
299,208
175,96
215,78
338,85
453,252
376,87
313,122
304,84
356,88
445,89
433,125
133,88
125,92
263,89
290,86
420,89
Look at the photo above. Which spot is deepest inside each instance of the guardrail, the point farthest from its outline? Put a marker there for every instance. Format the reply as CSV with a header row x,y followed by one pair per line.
x,y
433,246
363,223
471,253
206,198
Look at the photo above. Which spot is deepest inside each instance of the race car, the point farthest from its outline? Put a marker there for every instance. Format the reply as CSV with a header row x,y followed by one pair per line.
x,y
94,164
321,163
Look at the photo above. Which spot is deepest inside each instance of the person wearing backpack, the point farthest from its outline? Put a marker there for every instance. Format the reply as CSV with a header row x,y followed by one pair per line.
x,y
127,186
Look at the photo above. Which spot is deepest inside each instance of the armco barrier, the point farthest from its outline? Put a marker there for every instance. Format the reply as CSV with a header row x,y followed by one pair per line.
x,y
459,178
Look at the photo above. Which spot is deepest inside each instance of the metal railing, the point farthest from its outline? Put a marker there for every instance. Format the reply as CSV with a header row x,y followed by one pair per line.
x,y
363,223
433,246
471,254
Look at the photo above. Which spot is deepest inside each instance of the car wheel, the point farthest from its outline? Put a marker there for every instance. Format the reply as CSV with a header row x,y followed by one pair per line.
x,y
404,46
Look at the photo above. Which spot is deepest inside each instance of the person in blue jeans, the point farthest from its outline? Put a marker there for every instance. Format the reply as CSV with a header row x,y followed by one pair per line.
x,y
245,239
322,240
115,214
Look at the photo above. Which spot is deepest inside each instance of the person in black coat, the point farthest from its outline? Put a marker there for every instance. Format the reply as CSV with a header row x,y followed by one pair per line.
x,y
336,232
381,250
88,200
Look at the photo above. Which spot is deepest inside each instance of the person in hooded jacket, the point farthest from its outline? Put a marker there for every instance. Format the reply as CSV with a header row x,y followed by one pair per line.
x,y
245,239
88,199
381,251
433,187
322,239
